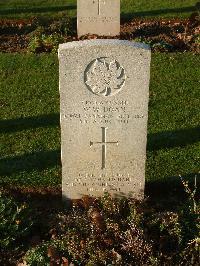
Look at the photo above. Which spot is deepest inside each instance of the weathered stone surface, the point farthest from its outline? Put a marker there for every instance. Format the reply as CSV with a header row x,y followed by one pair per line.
x,y
101,17
104,90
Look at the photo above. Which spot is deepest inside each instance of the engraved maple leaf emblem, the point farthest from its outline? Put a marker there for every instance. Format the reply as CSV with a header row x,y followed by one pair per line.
x,y
105,77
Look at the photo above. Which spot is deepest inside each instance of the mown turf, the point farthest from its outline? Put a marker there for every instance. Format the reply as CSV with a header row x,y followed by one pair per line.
x,y
29,119
129,8
174,130
30,140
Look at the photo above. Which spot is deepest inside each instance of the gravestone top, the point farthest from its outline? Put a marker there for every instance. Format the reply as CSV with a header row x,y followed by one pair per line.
x,y
100,17
104,91
104,42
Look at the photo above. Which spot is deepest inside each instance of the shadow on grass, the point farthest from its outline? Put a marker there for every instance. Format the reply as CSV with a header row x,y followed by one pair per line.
x,y
13,125
42,197
156,141
164,194
28,162
171,139
170,188
158,12
167,188
25,10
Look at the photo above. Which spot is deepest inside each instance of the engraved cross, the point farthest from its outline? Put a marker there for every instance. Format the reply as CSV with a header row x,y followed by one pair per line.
x,y
104,146
99,5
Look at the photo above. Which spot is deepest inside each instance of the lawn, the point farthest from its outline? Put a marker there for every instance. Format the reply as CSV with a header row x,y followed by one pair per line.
x,y
29,119
129,8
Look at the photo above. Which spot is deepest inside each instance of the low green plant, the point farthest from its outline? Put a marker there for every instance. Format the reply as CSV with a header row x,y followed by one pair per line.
x,y
37,32
45,43
15,223
63,26
44,254
156,45
162,46
38,256
189,215
51,42
191,193
113,231
102,231
165,231
191,254
197,39
143,40
35,45
48,34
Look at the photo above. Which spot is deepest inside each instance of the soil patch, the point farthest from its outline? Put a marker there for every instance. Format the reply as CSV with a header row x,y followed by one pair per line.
x,y
164,35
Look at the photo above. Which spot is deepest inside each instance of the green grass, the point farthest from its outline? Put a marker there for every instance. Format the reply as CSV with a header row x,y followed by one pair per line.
x,y
157,8
29,119
129,8
29,88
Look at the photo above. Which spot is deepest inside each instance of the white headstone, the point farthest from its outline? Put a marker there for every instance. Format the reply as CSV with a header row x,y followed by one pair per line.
x,y
104,91
101,17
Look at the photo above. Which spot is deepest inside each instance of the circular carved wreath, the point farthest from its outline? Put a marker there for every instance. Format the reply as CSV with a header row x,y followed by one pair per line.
x,y
104,77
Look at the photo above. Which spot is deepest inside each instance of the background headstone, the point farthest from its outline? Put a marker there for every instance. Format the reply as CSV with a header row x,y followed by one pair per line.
x,y
104,90
101,17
